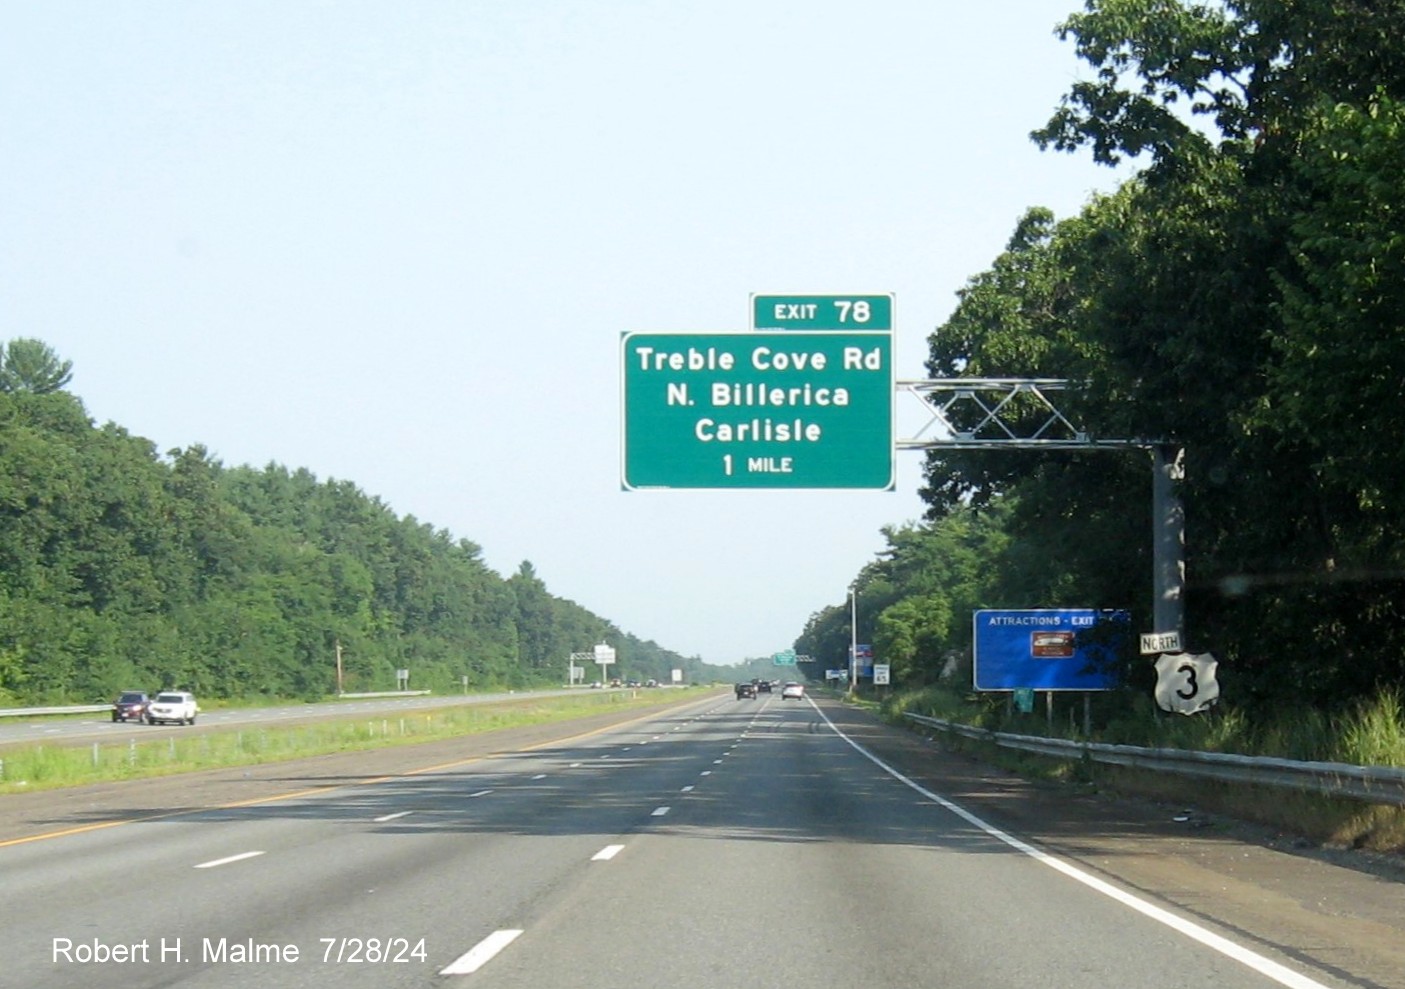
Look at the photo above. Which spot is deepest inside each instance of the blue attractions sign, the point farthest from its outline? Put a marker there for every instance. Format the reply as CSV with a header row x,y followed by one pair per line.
x,y
1046,649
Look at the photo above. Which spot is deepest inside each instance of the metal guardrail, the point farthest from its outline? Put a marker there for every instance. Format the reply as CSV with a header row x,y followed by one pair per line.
x,y
1373,784
383,693
36,712
39,712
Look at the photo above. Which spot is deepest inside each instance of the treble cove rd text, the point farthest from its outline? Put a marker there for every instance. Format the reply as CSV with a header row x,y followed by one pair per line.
x,y
763,358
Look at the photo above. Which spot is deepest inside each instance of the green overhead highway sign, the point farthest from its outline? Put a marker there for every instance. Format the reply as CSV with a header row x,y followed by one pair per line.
x,y
822,312
757,410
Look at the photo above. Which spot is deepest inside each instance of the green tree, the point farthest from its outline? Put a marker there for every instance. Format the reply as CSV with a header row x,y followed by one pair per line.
x,y
28,365
1239,296
1340,352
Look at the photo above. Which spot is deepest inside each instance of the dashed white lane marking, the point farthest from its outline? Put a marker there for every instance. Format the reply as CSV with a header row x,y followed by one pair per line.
x,y
226,861
390,817
660,811
705,772
539,776
481,953
481,793
607,853
688,788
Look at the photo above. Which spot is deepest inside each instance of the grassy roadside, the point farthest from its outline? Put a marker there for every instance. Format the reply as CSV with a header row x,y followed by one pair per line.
x,y
28,767
1373,734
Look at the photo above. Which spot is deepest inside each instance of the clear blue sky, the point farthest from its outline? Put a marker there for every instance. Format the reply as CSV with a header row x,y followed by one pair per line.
x,y
397,243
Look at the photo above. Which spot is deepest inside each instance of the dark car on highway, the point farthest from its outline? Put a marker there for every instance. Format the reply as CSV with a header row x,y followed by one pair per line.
x,y
130,706
746,690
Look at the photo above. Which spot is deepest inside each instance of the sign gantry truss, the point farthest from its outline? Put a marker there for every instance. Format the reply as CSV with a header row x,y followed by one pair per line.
x,y
1005,413
1020,414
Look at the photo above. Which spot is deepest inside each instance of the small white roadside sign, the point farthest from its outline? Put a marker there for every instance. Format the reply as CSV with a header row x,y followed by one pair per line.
x,y
1154,642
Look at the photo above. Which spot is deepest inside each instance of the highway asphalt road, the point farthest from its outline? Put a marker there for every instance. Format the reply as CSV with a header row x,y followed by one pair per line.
x,y
721,844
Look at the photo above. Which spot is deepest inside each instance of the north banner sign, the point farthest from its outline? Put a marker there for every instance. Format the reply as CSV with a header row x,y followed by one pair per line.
x,y
757,410
1155,642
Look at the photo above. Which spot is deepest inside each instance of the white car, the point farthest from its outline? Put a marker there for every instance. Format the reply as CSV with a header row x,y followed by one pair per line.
x,y
176,707
792,689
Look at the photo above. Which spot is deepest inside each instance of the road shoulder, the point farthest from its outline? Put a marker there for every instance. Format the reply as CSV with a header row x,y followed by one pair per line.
x,y
1339,912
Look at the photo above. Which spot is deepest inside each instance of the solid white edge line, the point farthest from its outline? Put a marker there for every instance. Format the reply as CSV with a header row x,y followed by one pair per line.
x,y
1251,959
481,953
607,853
226,861
391,817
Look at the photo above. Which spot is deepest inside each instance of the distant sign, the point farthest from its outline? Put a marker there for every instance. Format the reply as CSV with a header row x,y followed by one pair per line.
x,y
786,657
1044,649
861,656
880,674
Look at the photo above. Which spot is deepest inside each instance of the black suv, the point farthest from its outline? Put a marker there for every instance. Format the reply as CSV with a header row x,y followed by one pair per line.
x,y
763,686
746,690
131,706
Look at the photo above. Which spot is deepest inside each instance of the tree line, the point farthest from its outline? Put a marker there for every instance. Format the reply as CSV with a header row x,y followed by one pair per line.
x,y
1242,294
123,568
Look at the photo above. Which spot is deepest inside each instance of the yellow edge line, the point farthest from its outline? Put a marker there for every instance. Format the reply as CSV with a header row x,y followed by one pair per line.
x,y
100,825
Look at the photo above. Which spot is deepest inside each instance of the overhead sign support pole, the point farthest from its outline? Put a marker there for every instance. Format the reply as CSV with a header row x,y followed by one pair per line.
x,y
990,403
1168,531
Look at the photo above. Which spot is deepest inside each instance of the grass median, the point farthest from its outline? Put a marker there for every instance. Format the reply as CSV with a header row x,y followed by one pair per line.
x,y
29,767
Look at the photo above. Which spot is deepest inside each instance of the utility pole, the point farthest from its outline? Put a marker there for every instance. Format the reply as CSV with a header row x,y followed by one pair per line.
x,y
853,638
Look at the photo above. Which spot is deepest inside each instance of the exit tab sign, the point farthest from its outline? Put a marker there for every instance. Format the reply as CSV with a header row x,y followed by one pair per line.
x,y
822,312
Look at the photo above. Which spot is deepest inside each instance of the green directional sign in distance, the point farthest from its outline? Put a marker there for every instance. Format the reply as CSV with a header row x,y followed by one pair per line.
x,y
822,312
757,410
786,657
